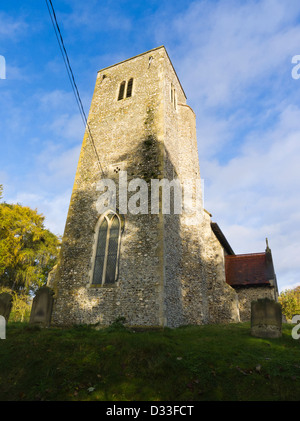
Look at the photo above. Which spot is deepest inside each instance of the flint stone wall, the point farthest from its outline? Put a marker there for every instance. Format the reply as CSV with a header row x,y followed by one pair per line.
x,y
248,294
171,269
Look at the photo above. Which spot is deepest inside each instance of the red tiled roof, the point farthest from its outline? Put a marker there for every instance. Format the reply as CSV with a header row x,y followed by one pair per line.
x,y
247,269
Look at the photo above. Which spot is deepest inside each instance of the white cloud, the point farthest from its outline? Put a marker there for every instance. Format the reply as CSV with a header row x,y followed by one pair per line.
x,y
56,167
64,164
66,121
68,126
95,18
11,28
48,184
234,61
56,99
256,194
54,209
227,46
289,285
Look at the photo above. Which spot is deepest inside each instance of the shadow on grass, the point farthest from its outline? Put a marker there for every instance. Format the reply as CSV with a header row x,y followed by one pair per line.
x,y
191,363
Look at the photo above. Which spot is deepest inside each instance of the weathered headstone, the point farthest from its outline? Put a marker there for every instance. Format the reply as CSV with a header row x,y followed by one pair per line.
x,y
5,305
42,305
266,318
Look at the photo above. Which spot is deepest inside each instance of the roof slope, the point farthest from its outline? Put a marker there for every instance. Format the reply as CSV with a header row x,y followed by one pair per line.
x,y
221,237
248,269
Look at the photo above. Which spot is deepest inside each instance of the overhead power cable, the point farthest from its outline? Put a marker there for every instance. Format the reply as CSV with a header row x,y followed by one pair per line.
x,y
71,75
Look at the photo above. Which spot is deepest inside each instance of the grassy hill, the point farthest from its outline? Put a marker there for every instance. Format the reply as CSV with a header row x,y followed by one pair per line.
x,y
193,363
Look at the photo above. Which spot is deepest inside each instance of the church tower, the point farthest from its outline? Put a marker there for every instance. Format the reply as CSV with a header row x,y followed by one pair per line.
x,y
135,259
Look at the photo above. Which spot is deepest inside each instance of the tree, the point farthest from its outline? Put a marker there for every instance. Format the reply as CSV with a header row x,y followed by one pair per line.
x,y
28,251
21,305
290,302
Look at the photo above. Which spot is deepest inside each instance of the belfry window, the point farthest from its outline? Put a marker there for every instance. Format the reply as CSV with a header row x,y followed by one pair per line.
x,y
125,87
122,90
106,258
129,88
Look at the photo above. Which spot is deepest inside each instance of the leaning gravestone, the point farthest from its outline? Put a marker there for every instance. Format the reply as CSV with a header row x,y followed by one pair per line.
x,y
42,305
266,318
5,305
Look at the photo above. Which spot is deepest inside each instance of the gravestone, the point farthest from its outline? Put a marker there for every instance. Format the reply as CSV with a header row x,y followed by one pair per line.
x,y
42,305
5,305
266,318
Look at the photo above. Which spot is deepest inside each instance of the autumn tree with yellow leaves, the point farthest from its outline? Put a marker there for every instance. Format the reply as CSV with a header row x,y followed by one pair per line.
x,y
290,302
28,251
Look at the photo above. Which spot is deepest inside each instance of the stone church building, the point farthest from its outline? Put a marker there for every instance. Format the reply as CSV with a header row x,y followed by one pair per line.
x,y
152,267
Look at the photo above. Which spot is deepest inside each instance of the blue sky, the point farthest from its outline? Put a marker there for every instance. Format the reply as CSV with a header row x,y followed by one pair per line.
x,y
234,61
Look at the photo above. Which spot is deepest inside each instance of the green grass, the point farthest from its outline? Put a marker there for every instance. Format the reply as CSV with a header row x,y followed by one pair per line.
x,y
193,363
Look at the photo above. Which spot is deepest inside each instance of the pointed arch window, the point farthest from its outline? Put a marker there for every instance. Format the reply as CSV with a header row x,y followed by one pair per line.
x,y
122,90
125,88
106,260
129,88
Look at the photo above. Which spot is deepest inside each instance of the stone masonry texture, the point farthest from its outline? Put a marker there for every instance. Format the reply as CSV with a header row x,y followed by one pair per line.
x,y
171,266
